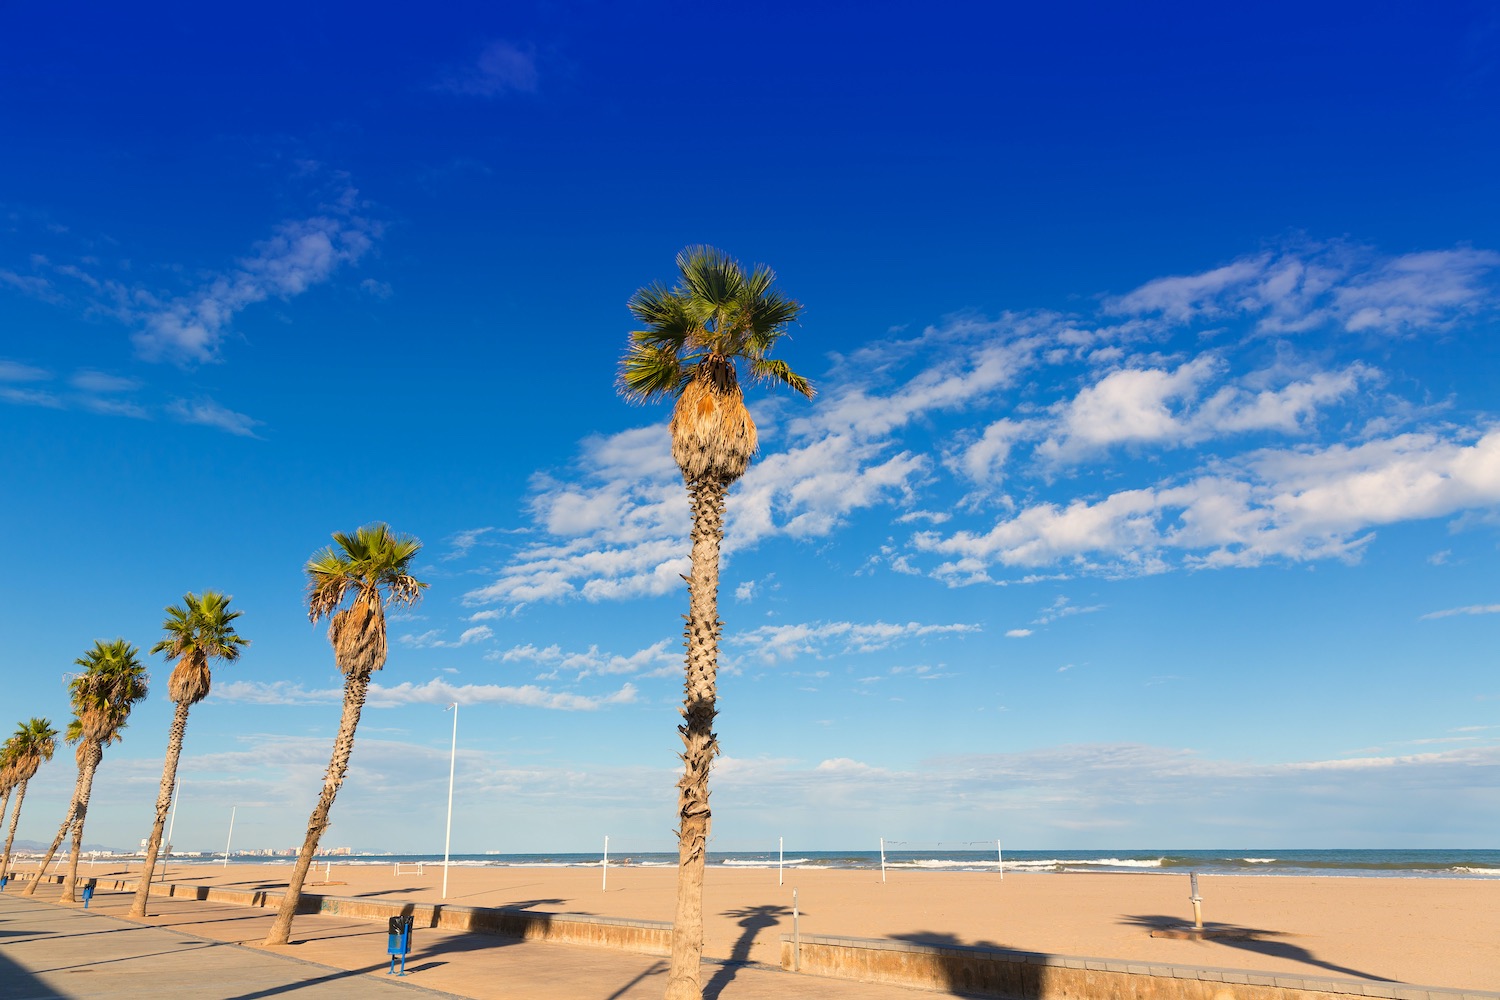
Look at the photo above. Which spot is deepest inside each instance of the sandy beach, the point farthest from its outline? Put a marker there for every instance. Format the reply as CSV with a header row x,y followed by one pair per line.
x,y
1434,932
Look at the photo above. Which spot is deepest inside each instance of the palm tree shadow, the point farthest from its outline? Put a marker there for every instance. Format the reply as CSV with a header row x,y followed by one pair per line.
x,y
943,939
753,919
1255,940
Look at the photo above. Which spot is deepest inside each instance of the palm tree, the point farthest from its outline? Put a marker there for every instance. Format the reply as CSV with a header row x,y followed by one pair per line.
x,y
112,681
695,335
200,630
371,568
33,743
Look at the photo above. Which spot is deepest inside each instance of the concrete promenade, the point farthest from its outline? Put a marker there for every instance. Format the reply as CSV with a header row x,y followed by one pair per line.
x,y
212,950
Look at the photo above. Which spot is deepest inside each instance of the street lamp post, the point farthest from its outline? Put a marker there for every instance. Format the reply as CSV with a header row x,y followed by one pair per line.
x,y
452,760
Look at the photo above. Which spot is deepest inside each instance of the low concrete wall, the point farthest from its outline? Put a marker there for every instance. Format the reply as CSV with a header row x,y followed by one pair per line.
x,y
1018,975
645,937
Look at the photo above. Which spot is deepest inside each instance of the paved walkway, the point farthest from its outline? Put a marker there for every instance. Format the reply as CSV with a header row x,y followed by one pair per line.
x,y
55,951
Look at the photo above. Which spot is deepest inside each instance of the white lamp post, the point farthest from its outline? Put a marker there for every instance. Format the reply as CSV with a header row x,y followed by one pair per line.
x,y
452,760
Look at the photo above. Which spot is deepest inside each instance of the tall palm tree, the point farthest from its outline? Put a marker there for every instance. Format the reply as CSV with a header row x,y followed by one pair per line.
x,y
370,568
8,781
695,336
199,630
111,684
33,743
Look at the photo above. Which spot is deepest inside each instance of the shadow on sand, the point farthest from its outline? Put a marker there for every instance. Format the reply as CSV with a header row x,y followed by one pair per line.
x,y
1252,939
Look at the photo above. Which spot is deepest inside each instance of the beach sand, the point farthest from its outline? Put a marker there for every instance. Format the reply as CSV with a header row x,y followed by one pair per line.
x,y
1432,932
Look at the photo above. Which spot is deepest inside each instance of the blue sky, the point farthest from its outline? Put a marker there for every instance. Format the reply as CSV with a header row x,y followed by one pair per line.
x,y
1149,499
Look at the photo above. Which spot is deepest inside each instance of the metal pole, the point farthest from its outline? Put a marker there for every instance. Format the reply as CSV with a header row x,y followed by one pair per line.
x,y
796,936
452,761
176,794
1197,902
232,810
604,868
882,861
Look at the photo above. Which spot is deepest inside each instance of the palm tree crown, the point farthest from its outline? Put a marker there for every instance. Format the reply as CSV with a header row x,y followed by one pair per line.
x,y
33,743
199,630
373,567
112,681
694,334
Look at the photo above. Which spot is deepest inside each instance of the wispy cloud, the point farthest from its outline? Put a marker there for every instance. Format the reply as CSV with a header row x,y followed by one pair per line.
x,y
433,638
464,541
1336,285
1472,609
821,639
434,692
299,254
439,692
210,414
662,657
273,693
503,68
189,327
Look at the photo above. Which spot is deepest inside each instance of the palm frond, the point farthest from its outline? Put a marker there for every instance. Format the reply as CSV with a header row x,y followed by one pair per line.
x,y
711,276
648,371
667,322
776,370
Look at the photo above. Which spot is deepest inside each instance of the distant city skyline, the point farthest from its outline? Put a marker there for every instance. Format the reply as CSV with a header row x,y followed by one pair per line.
x,y
1149,498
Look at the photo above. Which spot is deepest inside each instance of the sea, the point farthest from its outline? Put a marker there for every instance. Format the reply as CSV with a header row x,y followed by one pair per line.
x,y
1425,863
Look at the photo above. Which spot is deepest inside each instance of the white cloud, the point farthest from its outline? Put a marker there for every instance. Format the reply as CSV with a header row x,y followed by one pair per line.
x,y
464,541
745,591
822,639
272,693
614,525
432,638
1332,285
1173,408
658,658
1018,633
440,692
14,371
1296,505
210,414
502,68
1472,609
299,254
434,692
88,380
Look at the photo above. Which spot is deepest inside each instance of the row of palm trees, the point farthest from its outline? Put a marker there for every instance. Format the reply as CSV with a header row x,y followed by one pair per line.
x,y
350,585
112,681
695,336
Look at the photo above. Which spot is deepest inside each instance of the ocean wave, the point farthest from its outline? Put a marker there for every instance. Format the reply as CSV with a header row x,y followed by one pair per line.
x,y
1056,864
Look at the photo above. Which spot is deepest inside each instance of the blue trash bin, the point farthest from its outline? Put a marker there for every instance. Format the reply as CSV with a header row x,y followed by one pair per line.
x,y
398,942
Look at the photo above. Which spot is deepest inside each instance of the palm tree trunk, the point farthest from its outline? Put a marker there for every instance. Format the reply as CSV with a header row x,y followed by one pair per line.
x,y
700,745
8,790
62,831
355,688
163,803
15,817
85,789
